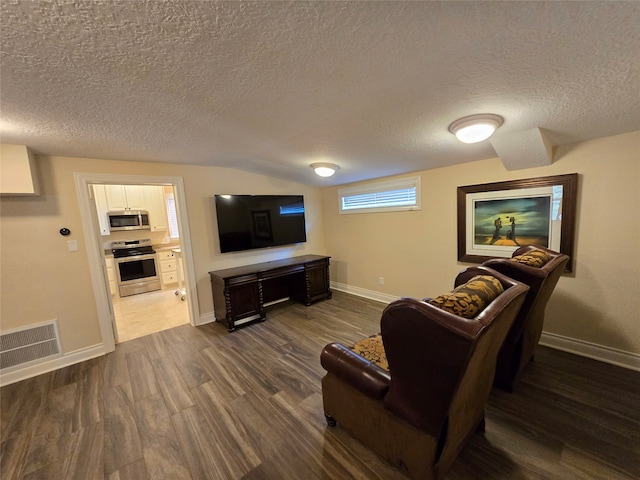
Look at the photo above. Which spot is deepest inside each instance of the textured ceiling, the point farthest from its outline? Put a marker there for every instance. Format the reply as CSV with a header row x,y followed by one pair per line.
x,y
271,87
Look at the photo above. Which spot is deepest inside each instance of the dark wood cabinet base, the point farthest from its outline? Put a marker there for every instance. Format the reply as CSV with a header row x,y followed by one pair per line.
x,y
242,292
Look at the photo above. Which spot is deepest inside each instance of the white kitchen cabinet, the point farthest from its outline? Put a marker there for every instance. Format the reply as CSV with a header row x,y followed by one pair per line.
x,y
125,197
101,205
155,205
132,197
168,267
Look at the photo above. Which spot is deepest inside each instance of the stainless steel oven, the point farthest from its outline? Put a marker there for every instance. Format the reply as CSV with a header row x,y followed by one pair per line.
x,y
136,267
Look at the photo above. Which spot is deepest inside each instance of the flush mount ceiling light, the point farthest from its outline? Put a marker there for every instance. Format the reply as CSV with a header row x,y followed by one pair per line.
x,y
475,128
325,169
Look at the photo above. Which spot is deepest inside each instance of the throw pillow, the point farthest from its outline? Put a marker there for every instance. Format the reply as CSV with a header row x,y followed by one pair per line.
x,y
469,299
533,258
372,349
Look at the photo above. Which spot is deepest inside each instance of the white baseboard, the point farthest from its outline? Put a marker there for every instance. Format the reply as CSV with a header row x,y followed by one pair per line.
x,y
207,318
363,292
360,292
16,374
591,350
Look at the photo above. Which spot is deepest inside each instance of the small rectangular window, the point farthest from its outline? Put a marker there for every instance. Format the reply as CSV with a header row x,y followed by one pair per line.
x,y
172,216
382,196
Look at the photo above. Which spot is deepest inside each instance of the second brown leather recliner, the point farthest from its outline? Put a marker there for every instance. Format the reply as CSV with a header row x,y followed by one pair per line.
x,y
540,268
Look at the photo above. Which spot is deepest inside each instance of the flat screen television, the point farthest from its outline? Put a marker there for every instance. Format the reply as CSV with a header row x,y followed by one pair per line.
x,y
246,222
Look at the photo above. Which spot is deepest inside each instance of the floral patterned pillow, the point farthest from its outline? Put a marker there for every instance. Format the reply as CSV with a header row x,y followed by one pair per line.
x,y
533,258
372,349
469,299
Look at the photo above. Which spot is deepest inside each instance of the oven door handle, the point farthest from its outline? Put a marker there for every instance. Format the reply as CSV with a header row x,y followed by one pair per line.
x,y
135,258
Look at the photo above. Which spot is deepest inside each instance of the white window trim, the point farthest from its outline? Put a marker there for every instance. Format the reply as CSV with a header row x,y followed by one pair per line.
x,y
382,186
172,217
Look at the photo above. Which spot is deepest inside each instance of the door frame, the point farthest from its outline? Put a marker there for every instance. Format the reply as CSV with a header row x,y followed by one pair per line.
x,y
95,250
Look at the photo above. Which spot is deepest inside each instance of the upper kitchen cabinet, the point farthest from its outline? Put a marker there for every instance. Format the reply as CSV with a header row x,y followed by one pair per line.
x,y
131,197
156,206
125,197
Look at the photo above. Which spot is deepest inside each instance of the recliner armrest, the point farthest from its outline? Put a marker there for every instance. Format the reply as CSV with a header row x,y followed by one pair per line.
x,y
355,370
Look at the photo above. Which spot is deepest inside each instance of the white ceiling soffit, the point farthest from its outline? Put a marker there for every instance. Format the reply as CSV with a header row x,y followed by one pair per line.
x,y
526,149
272,87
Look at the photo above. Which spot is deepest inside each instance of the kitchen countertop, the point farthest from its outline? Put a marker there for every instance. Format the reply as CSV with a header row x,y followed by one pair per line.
x,y
165,247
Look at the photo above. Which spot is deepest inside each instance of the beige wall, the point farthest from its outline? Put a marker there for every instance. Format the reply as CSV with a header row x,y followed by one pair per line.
x,y
416,252
41,280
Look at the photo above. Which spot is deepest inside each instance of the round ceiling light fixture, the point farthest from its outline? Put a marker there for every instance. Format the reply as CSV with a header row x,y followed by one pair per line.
x,y
475,128
325,169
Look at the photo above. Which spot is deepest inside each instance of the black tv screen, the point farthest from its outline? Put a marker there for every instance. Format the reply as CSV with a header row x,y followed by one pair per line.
x,y
246,222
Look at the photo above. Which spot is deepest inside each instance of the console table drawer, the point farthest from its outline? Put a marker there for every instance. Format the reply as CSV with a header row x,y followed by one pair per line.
x,y
241,280
281,272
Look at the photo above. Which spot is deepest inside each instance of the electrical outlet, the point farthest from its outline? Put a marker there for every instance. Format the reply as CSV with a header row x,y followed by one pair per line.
x,y
381,280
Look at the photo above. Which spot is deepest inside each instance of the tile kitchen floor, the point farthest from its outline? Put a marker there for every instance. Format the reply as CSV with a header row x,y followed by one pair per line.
x,y
147,313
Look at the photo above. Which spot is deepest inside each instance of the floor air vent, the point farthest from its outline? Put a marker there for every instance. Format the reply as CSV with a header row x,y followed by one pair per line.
x,y
28,344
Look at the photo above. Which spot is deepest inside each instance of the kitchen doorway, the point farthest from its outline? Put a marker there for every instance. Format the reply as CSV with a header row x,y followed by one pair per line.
x,y
155,310
139,229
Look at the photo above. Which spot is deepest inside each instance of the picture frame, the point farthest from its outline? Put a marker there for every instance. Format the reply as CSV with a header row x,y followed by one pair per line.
x,y
494,219
262,224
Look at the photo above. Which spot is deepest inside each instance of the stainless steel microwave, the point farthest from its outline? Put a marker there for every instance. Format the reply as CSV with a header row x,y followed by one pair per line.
x,y
128,220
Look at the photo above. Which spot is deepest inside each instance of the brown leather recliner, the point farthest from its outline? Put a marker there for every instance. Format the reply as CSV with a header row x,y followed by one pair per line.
x,y
525,333
419,414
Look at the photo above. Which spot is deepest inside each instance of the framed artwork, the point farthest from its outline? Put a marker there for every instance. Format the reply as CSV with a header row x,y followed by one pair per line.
x,y
494,219
262,224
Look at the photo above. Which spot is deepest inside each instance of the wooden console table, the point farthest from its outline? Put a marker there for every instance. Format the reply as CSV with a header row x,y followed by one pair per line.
x,y
243,292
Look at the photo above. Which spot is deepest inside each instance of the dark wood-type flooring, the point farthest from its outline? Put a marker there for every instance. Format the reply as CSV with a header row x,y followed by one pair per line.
x,y
200,403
